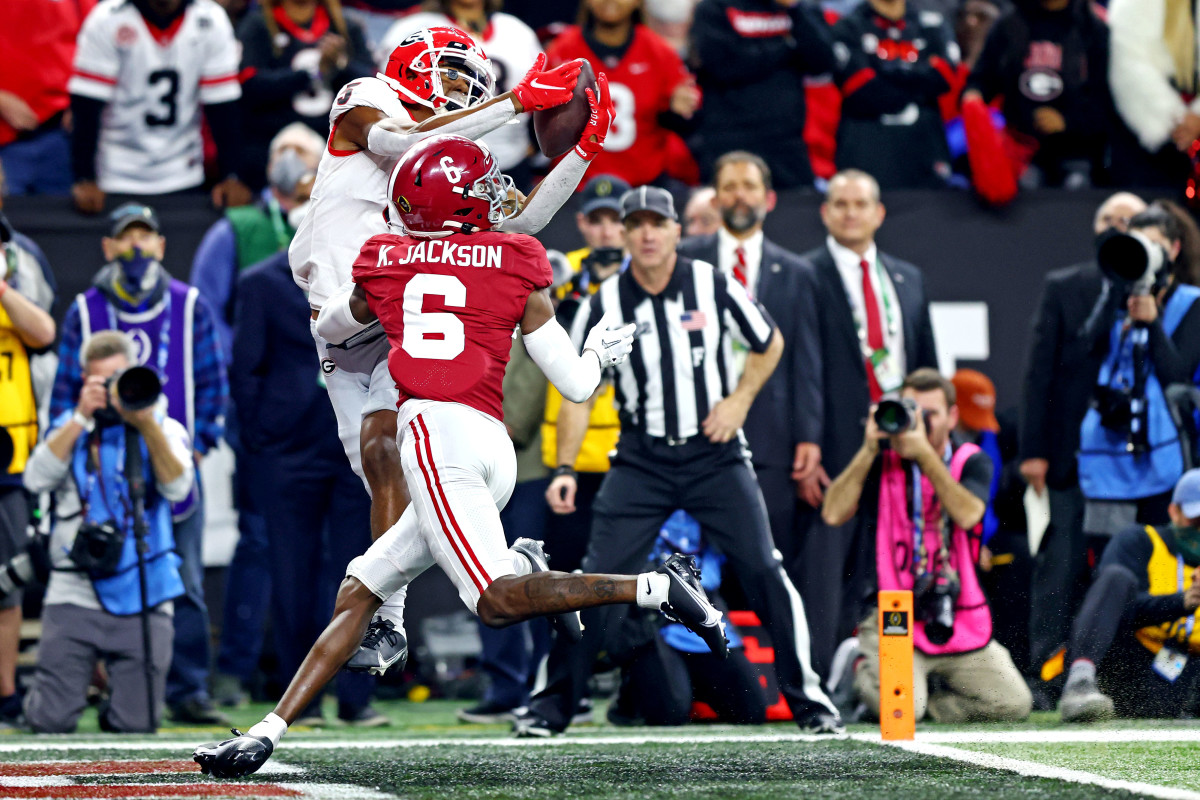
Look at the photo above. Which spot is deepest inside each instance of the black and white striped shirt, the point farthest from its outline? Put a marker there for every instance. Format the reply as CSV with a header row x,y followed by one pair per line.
x,y
682,362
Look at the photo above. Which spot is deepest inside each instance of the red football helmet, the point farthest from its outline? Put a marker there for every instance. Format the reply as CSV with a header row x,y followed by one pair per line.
x,y
449,184
426,60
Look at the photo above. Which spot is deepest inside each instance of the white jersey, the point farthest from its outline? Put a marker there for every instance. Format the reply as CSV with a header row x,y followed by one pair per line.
x,y
153,83
511,46
348,198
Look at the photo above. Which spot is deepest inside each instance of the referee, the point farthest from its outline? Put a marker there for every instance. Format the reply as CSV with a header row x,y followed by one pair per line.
x,y
680,447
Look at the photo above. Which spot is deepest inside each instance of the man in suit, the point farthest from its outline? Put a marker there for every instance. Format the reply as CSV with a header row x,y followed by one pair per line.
x,y
875,329
1060,375
783,427
317,512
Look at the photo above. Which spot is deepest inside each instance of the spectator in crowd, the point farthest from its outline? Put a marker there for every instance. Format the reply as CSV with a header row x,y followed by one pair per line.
x,y
752,58
1048,60
245,236
144,71
585,462
511,46
93,612
1134,643
952,627
316,510
672,20
783,426
875,329
37,46
1129,446
1060,375
652,91
680,447
26,299
973,21
977,424
895,60
296,54
700,215
174,333
510,656
1153,76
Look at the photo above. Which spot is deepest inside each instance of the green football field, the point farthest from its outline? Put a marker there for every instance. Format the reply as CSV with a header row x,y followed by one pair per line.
x,y
427,754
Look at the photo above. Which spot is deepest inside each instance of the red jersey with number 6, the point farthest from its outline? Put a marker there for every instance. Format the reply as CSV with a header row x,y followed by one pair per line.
x,y
449,307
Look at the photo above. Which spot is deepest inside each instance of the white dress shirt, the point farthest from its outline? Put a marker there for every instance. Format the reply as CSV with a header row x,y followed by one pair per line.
x,y
727,245
849,265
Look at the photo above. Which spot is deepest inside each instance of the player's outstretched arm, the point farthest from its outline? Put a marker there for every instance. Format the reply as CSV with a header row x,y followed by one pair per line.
x,y
575,376
549,195
345,314
539,89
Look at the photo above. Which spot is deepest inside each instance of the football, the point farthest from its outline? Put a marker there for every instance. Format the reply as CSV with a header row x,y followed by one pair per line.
x,y
558,129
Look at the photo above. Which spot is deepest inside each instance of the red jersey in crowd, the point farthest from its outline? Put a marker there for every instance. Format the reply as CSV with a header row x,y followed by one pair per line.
x,y
640,84
449,307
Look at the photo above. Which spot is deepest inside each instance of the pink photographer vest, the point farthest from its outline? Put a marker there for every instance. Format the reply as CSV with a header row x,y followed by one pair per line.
x,y
894,553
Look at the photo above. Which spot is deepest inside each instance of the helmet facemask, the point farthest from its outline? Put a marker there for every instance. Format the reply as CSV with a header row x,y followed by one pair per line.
x,y
456,65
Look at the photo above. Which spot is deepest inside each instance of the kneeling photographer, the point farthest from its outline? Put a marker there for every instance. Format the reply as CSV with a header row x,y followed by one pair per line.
x,y
1147,325
911,475
115,465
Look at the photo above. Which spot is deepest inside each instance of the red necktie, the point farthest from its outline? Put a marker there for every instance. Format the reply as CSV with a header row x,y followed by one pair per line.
x,y
739,269
874,328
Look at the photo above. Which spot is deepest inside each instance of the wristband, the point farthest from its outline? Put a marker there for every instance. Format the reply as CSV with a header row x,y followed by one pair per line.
x,y
88,425
563,469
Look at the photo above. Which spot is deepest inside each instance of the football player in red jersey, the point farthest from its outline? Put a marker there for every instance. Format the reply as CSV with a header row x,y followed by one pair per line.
x,y
449,291
649,83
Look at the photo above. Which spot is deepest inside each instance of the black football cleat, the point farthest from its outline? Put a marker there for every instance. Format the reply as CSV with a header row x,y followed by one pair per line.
x,y
233,758
567,623
688,604
383,648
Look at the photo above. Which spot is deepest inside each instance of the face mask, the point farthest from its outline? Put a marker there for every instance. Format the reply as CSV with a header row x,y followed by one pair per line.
x,y
135,263
287,169
297,214
1187,542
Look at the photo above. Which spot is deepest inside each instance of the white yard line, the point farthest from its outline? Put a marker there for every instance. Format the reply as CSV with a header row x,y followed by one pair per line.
x,y
1035,770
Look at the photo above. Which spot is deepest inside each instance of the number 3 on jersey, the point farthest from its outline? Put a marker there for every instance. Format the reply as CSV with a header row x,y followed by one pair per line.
x,y
435,335
624,126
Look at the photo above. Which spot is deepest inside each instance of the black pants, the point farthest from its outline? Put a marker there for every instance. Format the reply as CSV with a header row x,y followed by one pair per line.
x,y
1104,633
1060,575
648,481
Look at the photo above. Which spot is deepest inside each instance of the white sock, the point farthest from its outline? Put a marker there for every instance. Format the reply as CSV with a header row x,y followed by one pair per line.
x,y
520,563
272,727
393,608
1082,668
652,589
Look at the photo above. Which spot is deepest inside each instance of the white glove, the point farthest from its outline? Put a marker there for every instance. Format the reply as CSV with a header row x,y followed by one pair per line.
x,y
611,345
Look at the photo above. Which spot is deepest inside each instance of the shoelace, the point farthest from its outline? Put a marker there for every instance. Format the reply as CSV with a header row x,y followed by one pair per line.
x,y
382,629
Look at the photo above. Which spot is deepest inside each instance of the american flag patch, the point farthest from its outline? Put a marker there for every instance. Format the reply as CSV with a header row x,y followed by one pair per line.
x,y
693,320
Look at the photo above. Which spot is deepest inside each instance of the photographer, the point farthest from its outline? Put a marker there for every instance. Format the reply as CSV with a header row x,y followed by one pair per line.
x,y
94,613
908,444
1147,329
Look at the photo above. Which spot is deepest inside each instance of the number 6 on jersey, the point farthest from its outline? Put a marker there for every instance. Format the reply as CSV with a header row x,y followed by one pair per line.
x,y
437,335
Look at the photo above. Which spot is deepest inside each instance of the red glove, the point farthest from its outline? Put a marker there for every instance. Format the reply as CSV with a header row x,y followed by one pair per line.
x,y
542,88
992,172
598,123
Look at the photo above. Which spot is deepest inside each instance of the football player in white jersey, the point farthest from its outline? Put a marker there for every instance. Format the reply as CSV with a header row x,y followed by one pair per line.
x,y
143,69
436,81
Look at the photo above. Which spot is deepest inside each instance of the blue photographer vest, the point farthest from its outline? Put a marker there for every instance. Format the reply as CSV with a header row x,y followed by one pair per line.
x,y
105,497
162,337
1107,470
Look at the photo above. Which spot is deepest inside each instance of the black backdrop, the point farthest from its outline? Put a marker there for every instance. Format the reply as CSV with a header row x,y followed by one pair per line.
x,y
968,253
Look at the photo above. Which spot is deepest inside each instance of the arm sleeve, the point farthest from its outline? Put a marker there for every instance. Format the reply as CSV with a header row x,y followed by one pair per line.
x,y
85,137
219,72
211,384
214,270
43,471
336,322
575,376
1177,356
384,142
976,476
548,197
177,439
750,318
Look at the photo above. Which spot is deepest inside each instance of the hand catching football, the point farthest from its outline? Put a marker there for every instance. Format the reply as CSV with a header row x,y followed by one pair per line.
x,y
541,88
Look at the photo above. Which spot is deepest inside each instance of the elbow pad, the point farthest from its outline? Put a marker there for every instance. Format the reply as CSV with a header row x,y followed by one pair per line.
x,y
336,323
575,376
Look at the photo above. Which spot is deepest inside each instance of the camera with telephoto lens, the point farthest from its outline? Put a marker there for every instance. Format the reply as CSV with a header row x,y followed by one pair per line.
x,y
895,415
137,388
31,565
98,546
934,598
1131,260
601,257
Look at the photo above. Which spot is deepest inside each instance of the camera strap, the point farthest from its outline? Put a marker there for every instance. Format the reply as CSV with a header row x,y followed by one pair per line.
x,y
920,555
1191,620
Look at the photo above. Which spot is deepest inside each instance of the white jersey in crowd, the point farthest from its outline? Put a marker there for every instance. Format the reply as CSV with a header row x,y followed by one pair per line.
x,y
511,46
154,82
348,198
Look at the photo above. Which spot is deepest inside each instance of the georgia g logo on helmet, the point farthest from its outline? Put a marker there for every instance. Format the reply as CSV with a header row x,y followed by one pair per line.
x,y
442,69
449,184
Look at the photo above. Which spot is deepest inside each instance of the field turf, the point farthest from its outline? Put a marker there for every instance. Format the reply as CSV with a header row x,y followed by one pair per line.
x,y
426,754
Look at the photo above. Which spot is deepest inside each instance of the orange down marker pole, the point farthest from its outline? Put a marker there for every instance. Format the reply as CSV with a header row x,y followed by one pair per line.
x,y
897,719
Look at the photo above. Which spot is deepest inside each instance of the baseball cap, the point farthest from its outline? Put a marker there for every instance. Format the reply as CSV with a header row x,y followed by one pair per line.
x,y
131,214
1187,494
648,198
976,400
602,191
